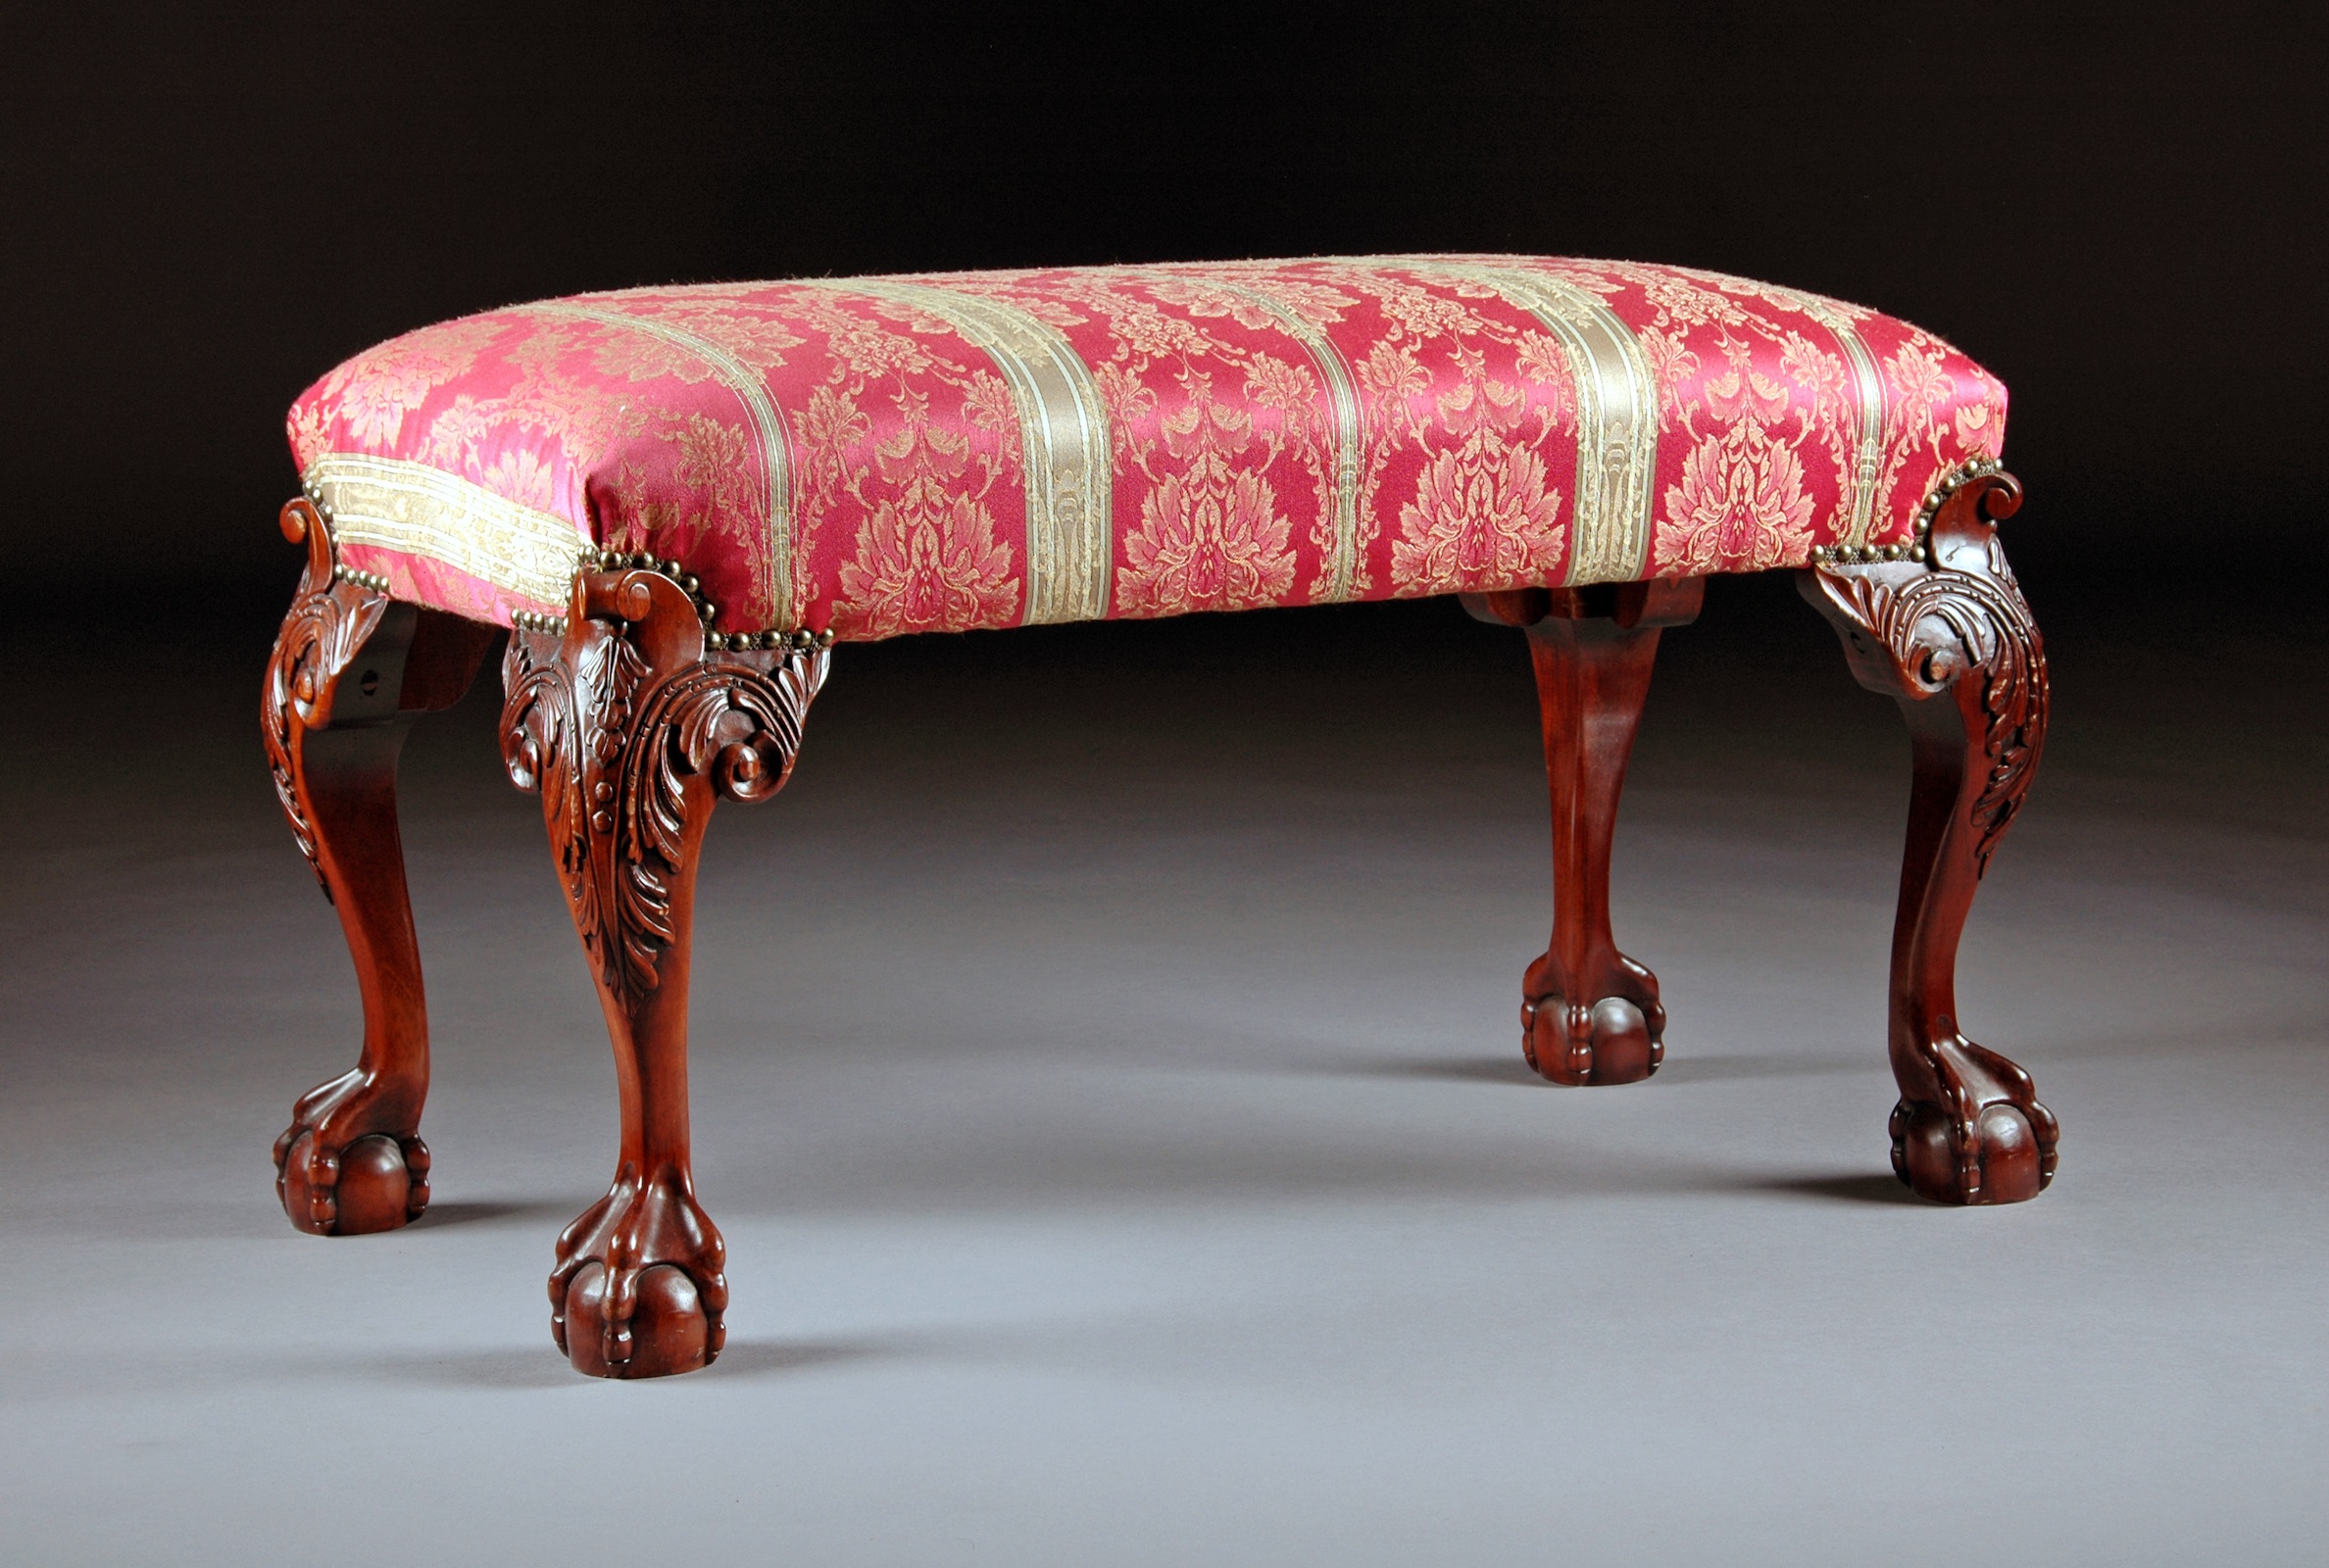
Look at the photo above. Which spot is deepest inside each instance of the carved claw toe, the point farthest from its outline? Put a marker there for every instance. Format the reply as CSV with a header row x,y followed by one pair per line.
x,y
1990,1143
1618,1040
639,1290
335,1176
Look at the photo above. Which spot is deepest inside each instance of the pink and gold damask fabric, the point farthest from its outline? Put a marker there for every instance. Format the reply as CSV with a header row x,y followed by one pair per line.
x,y
890,454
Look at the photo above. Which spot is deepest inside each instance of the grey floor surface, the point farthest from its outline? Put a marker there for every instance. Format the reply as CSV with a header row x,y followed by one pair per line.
x,y
1107,1083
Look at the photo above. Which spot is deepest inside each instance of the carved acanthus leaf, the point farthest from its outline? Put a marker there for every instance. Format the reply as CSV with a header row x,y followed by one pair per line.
x,y
328,620
1965,620
626,748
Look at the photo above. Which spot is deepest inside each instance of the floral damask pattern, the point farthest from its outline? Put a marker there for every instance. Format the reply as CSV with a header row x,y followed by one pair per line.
x,y
1482,514
1741,504
930,564
885,456
1480,518
925,554
1211,541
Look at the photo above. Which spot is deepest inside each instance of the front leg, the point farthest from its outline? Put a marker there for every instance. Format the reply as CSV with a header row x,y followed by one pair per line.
x,y
630,730
1943,629
349,672
1589,1014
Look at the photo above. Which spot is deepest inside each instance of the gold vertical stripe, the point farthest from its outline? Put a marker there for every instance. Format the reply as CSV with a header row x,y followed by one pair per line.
x,y
766,419
1350,436
423,510
1617,415
1063,433
1860,510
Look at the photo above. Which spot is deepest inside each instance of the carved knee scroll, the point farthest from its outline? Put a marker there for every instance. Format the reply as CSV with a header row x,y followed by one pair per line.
x,y
1948,634
630,730
1589,1014
349,671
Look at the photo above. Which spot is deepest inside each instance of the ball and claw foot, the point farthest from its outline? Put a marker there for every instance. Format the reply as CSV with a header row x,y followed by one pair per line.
x,y
337,1174
639,1290
1996,1144
1616,1039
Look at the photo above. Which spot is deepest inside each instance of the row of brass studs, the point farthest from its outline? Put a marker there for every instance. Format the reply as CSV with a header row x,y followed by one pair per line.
x,y
1939,495
361,579
734,642
1865,555
744,642
1934,501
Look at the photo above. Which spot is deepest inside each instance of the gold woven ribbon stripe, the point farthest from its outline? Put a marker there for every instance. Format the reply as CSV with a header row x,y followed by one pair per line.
x,y
421,511
1860,512
1350,436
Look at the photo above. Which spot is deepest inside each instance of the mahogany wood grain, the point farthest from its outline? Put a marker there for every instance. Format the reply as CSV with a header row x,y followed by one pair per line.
x,y
349,671
629,731
1953,642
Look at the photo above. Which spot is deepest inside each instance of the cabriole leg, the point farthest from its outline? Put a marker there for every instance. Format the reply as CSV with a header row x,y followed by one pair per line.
x,y
350,672
1589,1014
630,730
1952,639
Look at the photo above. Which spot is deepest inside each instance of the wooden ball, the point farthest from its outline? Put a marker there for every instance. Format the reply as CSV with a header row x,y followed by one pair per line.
x,y
374,1188
669,1332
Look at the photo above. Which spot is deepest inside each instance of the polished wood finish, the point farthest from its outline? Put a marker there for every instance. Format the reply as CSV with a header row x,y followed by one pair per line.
x,y
349,672
629,731
1952,641
1589,1014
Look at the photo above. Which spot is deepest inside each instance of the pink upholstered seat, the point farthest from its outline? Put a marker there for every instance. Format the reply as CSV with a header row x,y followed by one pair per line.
x,y
881,456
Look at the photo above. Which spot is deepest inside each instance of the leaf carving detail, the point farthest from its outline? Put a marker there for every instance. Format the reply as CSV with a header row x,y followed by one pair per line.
x,y
1946,627
327,623
627,757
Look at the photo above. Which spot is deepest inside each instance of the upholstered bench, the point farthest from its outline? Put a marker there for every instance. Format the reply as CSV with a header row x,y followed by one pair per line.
x,y
677,499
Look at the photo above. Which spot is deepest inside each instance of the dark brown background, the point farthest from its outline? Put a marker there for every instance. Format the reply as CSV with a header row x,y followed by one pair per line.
x,y
2118,208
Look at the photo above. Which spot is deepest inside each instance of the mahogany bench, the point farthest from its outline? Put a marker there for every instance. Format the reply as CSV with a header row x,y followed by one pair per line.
x,y
678,499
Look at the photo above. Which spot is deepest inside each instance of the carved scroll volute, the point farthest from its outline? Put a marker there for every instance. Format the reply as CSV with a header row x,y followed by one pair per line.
x,y
303,525
1964,532
1916,630
328,620
323,628
1915,646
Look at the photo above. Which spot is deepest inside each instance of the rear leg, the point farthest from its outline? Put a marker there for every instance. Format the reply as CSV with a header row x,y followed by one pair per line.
x,y
350,671
1589,1014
